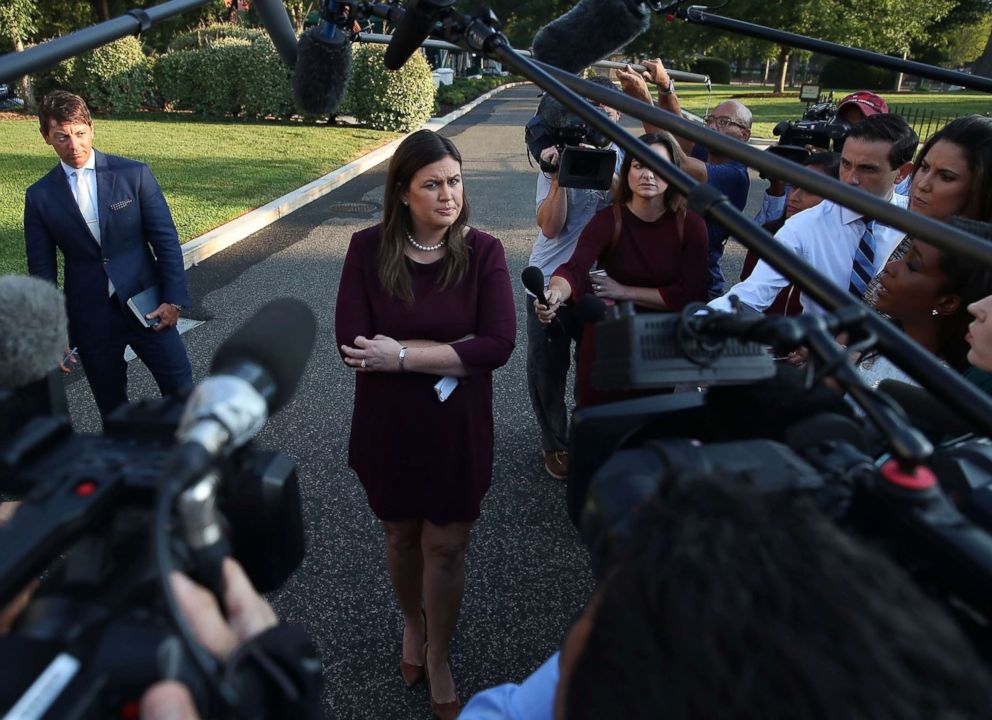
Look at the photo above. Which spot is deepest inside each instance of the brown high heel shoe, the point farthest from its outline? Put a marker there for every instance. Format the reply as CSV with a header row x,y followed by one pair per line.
x,y
442,711
411,673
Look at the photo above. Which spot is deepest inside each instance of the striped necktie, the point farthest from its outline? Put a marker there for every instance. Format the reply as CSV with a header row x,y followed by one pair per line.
x,y
86,204
863,268
88,209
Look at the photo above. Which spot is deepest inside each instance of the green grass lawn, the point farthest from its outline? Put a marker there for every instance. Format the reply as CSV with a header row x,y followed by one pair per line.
x,y
210,172
769,111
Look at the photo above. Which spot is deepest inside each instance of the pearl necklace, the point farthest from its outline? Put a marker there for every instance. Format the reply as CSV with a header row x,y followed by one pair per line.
x,y
424,248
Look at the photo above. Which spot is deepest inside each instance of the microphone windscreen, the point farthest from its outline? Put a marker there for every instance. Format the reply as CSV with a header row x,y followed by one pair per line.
x,y
589,32
533,280
413,28
278,338
33,334
321,75
591,309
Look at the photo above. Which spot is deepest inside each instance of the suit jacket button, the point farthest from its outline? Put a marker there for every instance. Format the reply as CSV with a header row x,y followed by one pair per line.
x,y
106,260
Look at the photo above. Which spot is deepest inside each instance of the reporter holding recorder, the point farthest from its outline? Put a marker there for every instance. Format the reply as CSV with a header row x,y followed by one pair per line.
x,y
649,248
424,315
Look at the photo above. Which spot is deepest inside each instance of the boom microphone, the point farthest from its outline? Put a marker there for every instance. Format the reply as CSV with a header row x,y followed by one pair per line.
x,y
275,19
32,329
253,374
589,32
323,62
413,28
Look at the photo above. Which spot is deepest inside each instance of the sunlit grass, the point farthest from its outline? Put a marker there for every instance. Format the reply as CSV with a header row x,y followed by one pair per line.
x,y
769,111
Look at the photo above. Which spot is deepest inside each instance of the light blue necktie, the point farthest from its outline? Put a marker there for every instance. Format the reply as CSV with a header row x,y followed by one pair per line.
x,y
863,269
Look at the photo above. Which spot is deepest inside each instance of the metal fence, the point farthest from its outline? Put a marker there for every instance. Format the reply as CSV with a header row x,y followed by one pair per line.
x,y
925,122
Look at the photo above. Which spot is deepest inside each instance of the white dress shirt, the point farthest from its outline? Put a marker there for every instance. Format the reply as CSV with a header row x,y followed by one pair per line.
x,y
91,213
825,236
88,175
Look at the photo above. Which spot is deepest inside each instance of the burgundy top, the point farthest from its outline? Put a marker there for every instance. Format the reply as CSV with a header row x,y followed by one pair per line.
x,y
647,254
416,456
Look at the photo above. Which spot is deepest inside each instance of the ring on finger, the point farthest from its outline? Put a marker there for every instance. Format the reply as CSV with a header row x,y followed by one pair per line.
x,y
363,362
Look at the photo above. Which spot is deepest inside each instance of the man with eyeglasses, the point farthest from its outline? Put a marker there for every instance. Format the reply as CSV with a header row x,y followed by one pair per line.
x,y
729,176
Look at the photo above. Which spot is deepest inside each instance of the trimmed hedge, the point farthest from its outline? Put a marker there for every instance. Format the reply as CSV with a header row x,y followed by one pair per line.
x,y
204,36
717,68
228,76
388,100
840,73
114,78
57,77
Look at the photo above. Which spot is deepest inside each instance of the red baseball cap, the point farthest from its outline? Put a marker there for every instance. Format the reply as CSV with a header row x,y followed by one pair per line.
x,y
868,102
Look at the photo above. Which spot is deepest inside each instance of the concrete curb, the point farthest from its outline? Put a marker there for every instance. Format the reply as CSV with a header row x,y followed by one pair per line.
x,y
199,249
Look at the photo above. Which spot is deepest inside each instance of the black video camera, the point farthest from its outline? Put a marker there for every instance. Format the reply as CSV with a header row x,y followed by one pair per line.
x,y
935,518
819,127
579,166
99,629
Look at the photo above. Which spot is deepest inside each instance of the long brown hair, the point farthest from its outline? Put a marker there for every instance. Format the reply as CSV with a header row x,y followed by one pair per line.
x,y
417,151
673,199
973,134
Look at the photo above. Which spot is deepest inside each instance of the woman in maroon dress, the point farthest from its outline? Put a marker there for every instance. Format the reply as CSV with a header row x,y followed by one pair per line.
x,y
424,315
648,248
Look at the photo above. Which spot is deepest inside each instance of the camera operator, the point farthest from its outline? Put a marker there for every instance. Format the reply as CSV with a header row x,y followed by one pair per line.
x,y
729,603
852,109
562,213
729,176
845,247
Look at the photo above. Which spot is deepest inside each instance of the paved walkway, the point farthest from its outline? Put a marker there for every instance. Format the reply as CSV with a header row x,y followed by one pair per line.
x,y
527,572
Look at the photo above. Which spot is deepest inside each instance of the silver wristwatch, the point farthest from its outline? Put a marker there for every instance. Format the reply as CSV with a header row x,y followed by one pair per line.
x,y
669,91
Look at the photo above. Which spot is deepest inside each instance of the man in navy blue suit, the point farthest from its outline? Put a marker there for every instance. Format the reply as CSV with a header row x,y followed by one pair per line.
x,y
109,218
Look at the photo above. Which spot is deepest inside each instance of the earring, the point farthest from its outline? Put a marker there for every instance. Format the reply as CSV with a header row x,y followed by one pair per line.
x,y
934,312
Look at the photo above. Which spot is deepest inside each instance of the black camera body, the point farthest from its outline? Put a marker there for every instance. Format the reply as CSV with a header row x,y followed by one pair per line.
x,y
583,160
98,619
819,127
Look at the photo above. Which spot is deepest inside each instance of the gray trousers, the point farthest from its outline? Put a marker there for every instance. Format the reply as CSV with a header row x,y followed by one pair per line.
x,y
549,356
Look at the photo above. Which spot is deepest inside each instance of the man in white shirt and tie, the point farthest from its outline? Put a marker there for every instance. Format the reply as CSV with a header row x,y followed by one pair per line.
x,y
108,217
837,241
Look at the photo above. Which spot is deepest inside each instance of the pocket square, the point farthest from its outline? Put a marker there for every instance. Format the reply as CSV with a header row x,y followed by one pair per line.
x,y
121,204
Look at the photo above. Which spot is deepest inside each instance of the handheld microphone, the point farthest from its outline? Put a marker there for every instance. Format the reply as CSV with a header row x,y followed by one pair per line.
x,y
589,32
413,28
533,280
323,64
32,329
275,19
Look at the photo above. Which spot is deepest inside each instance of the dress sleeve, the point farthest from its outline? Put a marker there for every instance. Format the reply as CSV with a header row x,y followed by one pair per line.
x,y
692,281
496,324
590,246
352,311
